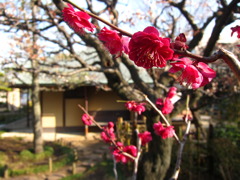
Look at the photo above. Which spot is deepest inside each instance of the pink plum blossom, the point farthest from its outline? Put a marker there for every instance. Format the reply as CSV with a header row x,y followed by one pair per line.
x,y
172,92
113,41
145,137
118,153
165,105
140,108
179,44
158,127
77,20
131,149
108,134
164,132
147,49
237,30
130,105
194,74
135,107
207,72
167,132
87,119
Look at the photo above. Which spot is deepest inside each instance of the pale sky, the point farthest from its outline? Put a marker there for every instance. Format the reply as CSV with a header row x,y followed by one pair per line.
x,y
4,44
225,36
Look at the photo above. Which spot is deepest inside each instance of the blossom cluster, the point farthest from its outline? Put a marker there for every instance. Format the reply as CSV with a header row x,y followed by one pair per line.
x,y
135,107
118,154
147,49
108,134
87,119
164,132
166,104
145,137
119,151
123,153
193,74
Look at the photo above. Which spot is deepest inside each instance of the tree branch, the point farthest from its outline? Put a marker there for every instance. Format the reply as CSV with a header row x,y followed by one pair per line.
x,y
229,58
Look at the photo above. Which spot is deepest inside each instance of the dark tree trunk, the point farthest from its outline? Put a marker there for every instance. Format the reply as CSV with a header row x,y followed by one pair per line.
x,y
155,163
37,125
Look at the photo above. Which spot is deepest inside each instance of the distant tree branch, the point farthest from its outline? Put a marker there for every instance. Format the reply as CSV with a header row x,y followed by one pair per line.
x,y
225,17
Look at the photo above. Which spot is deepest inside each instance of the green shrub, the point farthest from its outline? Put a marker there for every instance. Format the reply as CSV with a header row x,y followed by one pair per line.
x,y
39,169
39,156
26,155
48,151
230,132
3,158
2,169
37,163
70,157
18,172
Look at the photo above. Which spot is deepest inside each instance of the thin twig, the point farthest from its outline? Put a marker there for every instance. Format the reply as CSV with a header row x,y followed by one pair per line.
x,y
139,143
161,114
112,141
182,143
115,168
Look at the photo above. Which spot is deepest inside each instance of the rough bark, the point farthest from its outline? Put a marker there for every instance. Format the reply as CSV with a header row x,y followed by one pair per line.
x,y
37,125
155,163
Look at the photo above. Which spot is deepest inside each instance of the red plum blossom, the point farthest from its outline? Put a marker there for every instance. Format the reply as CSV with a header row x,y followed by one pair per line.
x,y
87,119
165,105
135,107
164,132
147,49
77,20
108,134
145,137
237,30
193,74
113,42
118,152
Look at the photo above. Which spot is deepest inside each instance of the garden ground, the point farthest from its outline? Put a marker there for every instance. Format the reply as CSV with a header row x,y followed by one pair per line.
x,y
90,149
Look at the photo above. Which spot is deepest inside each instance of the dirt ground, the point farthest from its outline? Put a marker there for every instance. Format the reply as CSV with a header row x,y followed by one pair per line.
x,y
89,152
